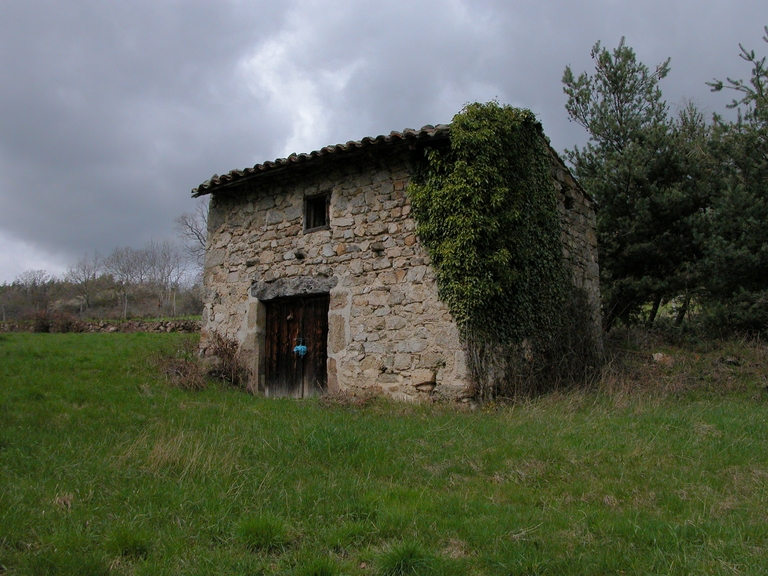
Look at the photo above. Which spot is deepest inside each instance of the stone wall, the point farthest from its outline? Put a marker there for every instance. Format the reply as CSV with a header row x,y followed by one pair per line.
x,y
579,238
387,327
184,326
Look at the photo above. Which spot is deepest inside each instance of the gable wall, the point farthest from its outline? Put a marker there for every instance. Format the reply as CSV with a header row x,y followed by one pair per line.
x,y
577,217
387,327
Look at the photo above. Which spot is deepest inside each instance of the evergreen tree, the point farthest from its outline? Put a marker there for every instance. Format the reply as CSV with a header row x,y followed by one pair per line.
x,y
636,166
736,260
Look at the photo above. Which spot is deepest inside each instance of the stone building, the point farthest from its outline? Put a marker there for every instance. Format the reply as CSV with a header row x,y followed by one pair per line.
x,y
314,267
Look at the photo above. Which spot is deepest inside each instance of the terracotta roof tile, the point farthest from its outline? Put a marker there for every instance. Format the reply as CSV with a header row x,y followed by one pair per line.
x,y
428,132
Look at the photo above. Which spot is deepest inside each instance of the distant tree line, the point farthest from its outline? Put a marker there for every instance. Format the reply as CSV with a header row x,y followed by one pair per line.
x,y
163,278
682,200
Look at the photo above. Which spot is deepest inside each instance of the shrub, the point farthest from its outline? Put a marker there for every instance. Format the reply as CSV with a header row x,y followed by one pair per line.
x,y
181,366
41,323
742,312
44,322
62,322
229,366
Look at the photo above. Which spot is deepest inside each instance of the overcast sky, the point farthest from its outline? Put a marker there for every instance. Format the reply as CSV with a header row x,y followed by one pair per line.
x,y
111,112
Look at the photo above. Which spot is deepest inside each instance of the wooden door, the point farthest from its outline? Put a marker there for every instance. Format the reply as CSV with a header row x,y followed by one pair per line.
x,y
291,322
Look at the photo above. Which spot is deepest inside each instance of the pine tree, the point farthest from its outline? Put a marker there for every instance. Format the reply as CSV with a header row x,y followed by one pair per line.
x,y
736,253
636,167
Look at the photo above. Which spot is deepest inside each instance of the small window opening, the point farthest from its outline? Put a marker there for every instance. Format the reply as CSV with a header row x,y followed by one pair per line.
x,y
568,202
316,212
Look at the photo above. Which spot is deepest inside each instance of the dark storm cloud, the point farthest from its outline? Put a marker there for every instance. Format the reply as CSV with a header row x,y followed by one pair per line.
x,y
112,111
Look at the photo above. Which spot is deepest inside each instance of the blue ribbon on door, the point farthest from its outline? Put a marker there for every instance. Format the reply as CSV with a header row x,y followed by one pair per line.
x,y
300,348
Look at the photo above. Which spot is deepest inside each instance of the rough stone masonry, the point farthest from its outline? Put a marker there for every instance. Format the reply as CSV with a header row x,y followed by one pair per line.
x,y
387,328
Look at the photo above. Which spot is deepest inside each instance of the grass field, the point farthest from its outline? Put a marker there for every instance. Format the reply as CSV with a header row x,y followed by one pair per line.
x,y
106,469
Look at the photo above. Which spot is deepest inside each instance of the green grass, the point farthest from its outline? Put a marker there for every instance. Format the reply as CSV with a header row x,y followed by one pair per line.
x,y
405,559
263,533
106,469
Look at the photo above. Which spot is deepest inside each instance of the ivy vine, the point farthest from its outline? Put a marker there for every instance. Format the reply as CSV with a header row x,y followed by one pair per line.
x,y
486,210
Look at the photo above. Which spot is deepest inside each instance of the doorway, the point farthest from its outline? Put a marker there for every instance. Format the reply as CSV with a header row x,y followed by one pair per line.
x,y
296,346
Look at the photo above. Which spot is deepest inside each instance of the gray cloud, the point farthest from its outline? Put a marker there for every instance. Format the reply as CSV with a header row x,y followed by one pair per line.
x,y
112,112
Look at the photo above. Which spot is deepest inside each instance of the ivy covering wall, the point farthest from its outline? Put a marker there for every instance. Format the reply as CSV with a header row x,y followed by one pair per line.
x,y
487,212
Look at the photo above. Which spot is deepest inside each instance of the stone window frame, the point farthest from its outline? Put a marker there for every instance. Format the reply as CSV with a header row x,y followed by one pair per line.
x,y
312,208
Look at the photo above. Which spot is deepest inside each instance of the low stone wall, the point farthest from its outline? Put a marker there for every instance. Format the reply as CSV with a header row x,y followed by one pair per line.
x,y
185,326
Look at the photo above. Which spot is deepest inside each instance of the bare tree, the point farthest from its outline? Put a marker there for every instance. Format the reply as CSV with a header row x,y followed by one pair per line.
x,y
127,269
34,285
130,266
159,266
84,275
193,229
166,269
31,278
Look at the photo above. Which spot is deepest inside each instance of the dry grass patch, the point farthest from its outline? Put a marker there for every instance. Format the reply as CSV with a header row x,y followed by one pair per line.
x,y
180,454
455,549
710,366
181,366
350,398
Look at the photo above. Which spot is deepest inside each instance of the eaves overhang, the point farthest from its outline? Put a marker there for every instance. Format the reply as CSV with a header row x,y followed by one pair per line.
x,y
424,135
